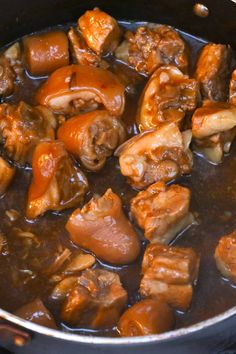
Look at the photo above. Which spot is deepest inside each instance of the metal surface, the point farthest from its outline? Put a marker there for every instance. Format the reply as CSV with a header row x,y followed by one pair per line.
x,y
18,18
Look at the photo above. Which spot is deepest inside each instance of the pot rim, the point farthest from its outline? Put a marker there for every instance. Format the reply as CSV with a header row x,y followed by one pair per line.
x,y
172,335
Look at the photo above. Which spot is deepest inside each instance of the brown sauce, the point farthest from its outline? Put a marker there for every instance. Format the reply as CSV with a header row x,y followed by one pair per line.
x,y
213,200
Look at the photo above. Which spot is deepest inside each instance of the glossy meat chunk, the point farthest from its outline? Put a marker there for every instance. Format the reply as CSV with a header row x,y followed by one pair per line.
x,y
212,71
169,273
156,155
7,173
146,317
92,137
46,52
36,312
77,88
162,211
22,127
168,95
81,53
225,256
101,227
232,88
57,182
213,129
7,77
152,46
96,301
10,69
100,31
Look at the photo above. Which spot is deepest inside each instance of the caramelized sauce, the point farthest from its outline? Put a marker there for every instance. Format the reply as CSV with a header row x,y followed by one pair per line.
x,y
213,200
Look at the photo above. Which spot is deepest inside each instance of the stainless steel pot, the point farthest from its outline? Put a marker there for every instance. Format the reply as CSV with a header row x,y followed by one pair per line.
x,y
18,18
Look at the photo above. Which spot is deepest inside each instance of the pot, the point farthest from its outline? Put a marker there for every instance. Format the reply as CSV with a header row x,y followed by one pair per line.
x,y
18,18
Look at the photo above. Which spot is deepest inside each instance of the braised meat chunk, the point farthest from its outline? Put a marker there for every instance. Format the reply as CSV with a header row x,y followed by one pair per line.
x,y
232,88
152,46
92,137
96,301
7,77
214,129
22,127
212,71
146,317
100,31
156,155
37,313
162,211
57,182
10,69
7,173
225,256
46,52
169,273
168,95
101,227
81,53
77,88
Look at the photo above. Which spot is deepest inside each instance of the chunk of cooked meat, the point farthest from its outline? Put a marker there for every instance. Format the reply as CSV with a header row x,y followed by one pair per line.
x,y
168,95
153,46
77,88
100,31
101,227
156,155
212,71
213,129
232,88
96,301
225,256
81,53
92,137
22,127
7,77
146,317
57,182
46,52
169,273
7,173
10,69
162,211
36,312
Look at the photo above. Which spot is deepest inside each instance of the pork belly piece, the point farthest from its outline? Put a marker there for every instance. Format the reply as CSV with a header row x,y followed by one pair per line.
x,y
100,31
152,46
81,53
213,129
92,137
101,227
147,317
232,88
36,312
10,69
22,127
96,301
225,256
162,211
168,95
169,273
7,173
156,155
57,182
46,52
212,71
77,88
